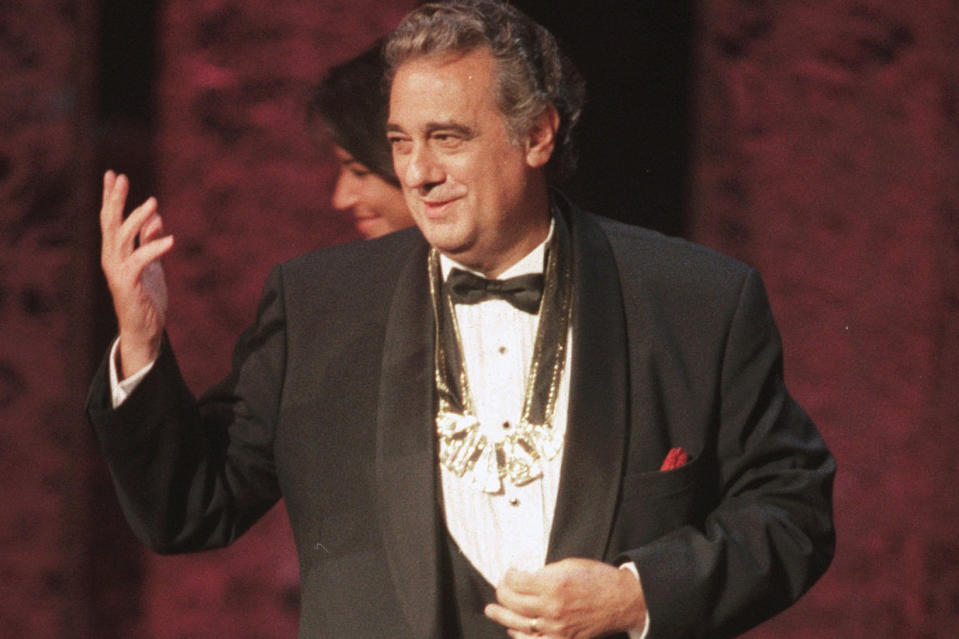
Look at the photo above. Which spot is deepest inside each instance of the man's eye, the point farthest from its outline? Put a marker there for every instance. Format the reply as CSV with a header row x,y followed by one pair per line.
x,y
447,139
359,172
399,145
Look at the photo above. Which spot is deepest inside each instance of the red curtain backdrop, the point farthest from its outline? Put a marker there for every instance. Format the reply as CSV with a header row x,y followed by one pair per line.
x,y
825,152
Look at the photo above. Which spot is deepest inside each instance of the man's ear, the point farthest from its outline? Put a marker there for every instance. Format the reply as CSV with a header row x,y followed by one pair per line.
x,y
541,139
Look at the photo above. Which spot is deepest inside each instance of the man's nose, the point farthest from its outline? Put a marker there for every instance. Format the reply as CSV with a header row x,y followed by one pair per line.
x,y
345,194
422,169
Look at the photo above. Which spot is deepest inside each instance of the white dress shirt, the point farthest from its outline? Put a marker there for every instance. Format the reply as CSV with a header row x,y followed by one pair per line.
x,y
511,528
121,389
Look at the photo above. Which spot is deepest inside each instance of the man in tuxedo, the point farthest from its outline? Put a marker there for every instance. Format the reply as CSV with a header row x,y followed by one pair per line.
x,y
517,416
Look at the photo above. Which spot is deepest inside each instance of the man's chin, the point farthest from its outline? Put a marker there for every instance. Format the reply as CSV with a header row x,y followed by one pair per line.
x,y
437,231
448,243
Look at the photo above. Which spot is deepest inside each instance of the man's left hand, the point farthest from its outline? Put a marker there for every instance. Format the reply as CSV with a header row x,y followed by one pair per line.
x,y
569,599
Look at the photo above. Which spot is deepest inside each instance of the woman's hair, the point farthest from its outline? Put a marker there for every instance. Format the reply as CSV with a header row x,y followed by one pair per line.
x,y
351,104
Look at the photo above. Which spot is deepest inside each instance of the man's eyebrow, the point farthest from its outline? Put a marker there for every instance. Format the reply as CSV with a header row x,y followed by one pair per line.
x,y
451,127
432,127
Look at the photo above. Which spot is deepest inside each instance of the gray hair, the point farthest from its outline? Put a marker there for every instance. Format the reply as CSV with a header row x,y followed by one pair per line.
x,y
532,73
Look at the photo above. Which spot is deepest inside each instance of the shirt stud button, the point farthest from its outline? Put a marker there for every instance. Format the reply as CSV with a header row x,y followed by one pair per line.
x,y
506,425
514,501
501,350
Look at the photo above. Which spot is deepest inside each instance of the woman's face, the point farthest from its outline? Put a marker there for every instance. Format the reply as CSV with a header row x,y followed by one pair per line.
x,y
377,206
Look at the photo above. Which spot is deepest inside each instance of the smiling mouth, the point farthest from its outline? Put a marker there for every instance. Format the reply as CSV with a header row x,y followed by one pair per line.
x,y
437,208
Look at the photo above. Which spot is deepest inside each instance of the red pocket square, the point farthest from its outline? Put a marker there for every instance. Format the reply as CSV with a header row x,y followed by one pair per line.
x,y
675,458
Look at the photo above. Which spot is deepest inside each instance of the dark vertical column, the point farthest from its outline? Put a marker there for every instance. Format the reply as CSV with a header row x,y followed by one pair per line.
x,y
126,91
123,134
636,57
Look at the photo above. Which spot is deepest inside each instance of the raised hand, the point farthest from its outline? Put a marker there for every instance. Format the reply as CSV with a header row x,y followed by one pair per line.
x,y
129,255
571,599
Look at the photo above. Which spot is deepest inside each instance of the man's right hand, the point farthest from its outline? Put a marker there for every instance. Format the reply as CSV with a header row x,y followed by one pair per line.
x,y
133,272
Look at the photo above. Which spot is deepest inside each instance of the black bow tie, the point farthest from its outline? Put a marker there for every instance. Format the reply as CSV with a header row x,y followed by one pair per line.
x,y
523,292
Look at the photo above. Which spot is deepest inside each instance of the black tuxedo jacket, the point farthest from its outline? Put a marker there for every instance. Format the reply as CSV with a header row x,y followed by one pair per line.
x,y
330,405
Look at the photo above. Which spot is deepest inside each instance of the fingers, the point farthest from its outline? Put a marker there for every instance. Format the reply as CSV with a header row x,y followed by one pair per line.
x,y
527,604
149,253
569,598
519,625
119,235
153,245
117,232
523,591
151,229
115,190
522,581
119,243
134,225
519,602
122,260
109,179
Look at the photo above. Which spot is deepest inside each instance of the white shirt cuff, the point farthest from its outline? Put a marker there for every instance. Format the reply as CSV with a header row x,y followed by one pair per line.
x,y
636,633
120,390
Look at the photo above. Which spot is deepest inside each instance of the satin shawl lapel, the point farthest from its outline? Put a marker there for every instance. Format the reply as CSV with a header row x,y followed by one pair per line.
x,y
405,455
595,445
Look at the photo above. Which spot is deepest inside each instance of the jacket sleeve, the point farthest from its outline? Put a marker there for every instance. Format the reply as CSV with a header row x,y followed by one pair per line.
x,y
770,535
191,474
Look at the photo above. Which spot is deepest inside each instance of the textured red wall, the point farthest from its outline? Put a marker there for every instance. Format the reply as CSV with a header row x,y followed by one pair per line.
x,y
827,155
45,281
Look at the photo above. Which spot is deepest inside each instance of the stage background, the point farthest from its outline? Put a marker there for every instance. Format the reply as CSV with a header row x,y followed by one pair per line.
x,y
816,140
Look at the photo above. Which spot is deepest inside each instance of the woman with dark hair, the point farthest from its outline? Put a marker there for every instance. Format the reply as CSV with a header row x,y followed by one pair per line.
x,y
348,108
